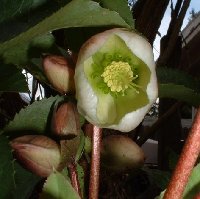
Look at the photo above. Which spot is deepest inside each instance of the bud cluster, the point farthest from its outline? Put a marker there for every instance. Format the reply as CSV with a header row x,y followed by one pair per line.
x,y
41,154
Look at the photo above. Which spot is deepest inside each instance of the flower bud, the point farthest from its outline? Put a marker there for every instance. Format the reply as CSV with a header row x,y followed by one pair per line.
x,y
120,153
59,73
37,153
65,121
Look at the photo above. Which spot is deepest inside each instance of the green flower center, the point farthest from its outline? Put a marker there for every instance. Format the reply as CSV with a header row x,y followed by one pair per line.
x,y
118,76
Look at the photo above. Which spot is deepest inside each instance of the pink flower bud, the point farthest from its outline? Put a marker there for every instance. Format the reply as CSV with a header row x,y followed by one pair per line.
x,y
37,153
65,122
59,73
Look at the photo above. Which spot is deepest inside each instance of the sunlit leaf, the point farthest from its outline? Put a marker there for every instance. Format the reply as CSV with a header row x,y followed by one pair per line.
x,y
58,187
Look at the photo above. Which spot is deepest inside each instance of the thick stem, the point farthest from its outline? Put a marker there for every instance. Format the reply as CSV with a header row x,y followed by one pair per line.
x,y
186,162
197,196
95,163
74,178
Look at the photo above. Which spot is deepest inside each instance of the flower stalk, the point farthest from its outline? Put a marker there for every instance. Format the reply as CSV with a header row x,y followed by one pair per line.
x,y
74,178
95,163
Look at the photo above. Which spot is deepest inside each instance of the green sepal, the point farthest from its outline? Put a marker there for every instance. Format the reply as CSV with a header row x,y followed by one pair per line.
x,y
106,109
132,101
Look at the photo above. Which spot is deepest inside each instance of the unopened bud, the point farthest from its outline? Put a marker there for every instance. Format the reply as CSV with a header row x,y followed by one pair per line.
x,y
65,122
59,73
120,153
37,153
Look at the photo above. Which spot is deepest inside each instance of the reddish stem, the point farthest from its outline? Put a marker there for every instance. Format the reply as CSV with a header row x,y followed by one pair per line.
x,y
197,196
186,162
95,163
74,178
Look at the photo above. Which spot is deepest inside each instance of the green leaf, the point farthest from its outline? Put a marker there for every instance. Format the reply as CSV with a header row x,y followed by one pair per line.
x,y
34,119
21,55
161,195
21,20
6,169
15,9
58,187
78,13
12,79
81,147
158,177
11,8
178,85
121,7
17,182
25,182
171,75
179,92
81,174
193,185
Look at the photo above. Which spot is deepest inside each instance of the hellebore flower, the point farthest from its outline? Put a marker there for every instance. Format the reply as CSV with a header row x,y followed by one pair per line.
x,y
115,79
38,153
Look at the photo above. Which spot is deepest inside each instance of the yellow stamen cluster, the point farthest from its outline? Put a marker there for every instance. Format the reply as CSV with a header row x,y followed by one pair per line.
x,y
118,76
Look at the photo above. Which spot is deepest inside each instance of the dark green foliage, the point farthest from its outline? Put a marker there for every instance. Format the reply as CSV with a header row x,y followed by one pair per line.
x,y
16,182
12,79
34,119
179,85
178,77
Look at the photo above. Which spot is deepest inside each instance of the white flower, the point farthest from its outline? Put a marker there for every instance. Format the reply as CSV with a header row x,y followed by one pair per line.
x,y
115,79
